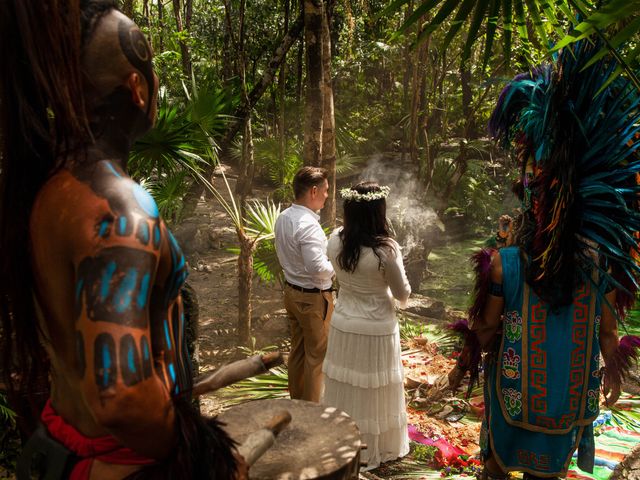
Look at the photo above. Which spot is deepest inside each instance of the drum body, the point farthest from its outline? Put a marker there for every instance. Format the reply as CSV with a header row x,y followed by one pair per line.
x,y
319,443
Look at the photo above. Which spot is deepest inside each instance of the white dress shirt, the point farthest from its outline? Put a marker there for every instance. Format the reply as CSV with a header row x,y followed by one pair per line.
x,y
301,246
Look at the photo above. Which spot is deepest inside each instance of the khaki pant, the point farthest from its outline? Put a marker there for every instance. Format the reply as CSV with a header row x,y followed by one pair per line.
x,y
309,316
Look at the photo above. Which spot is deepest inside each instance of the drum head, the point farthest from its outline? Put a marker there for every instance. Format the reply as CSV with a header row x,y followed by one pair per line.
x,y
320,442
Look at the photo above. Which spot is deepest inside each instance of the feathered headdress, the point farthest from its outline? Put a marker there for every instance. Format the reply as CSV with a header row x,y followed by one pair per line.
x,y
575,132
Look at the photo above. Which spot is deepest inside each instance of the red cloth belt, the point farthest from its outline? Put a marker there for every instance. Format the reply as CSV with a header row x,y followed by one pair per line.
x,y
106,449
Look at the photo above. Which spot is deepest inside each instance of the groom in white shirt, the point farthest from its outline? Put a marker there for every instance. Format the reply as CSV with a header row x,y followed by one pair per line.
x,y
301,246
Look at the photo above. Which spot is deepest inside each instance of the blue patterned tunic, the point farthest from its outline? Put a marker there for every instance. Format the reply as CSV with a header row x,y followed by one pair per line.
x,y
542,383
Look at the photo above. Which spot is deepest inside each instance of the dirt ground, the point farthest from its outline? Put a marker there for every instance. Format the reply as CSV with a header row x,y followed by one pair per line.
x,y
213,275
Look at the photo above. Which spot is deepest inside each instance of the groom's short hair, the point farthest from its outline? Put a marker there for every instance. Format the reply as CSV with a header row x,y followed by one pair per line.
x,y
308,177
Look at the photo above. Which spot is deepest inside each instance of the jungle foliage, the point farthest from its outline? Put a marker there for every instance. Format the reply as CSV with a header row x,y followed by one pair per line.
x,y
413,80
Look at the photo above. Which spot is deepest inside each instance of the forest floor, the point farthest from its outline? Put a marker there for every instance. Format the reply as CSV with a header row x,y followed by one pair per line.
x,y
214,277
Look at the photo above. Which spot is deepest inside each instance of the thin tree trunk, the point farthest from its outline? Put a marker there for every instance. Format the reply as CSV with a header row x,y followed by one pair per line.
x,y
188,13
328,214
241,113
282,90
299,72
163,71
184,49
467,100
415,106
245,278
313,111
229,43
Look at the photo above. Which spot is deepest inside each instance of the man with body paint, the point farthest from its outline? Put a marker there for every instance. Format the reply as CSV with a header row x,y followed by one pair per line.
x,y
99,312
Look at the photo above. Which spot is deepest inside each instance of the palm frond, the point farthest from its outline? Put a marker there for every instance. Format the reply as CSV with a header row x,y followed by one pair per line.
x,y
261,218
274,384
542,15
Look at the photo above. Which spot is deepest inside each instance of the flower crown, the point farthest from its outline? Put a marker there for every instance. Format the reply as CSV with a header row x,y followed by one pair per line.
x,y
353,195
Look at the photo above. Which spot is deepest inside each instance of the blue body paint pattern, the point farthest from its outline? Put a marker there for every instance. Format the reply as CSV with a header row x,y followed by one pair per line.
x,y
146,357
131,199
130,366
179,271
105,361
113,286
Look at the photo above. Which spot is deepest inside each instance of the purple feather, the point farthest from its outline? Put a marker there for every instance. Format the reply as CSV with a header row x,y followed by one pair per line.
x,y
623,358
461,326
482,266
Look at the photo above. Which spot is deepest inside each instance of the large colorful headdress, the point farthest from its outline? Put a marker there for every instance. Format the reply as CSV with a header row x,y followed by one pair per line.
x,y
575,132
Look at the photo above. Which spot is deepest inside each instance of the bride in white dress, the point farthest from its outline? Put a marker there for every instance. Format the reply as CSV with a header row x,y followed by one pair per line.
x,y
363,372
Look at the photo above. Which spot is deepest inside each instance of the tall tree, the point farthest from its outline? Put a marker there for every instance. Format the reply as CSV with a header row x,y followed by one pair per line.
x,y
282,89
328,214
184,48
314,109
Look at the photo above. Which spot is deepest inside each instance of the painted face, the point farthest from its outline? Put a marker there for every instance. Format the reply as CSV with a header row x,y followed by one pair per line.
x,y
138,52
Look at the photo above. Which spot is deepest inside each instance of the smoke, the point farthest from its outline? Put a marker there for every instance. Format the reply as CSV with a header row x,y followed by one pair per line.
x,y
416,225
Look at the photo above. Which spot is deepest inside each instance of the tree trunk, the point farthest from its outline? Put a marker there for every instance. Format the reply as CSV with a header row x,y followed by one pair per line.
x,y
461,165
467,100
184,49
415,105
328,214
245,278
282,90
163,72
241,113
313,111
247,164
188,13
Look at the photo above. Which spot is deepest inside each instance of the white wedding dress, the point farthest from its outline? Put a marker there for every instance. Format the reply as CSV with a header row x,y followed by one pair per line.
x,y
363,371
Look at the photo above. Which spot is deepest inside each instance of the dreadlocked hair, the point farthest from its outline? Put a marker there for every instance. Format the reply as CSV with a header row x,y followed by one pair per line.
x,y
42,120
572,127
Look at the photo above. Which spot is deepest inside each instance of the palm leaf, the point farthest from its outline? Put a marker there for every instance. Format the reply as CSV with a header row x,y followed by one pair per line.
x,y
542,14
274,384
261,219
492,25
458,21
478,17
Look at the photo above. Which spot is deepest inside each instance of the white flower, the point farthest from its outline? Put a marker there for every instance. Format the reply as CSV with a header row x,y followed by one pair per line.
x,y
349,194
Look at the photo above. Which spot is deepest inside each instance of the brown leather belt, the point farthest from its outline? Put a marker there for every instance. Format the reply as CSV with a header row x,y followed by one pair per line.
x,y
307,290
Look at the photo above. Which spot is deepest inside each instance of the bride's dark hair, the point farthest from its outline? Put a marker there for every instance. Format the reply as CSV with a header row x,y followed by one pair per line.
x,y
365,225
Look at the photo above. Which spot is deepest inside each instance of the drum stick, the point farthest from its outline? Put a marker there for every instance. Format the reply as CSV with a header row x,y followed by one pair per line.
x,y
261,440
239,370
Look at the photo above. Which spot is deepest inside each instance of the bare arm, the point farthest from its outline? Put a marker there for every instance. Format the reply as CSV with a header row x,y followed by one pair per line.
x,y
493,308
114,276
608,345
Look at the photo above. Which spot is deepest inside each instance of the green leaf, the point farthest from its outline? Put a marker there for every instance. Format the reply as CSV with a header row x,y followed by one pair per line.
x,y
459,20
521,21
507,26
492,23
538,24
621,37
390,9
478,17
417,14
440,17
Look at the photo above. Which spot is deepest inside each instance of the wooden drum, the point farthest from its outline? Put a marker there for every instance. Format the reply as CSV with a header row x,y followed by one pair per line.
x,y
319,443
